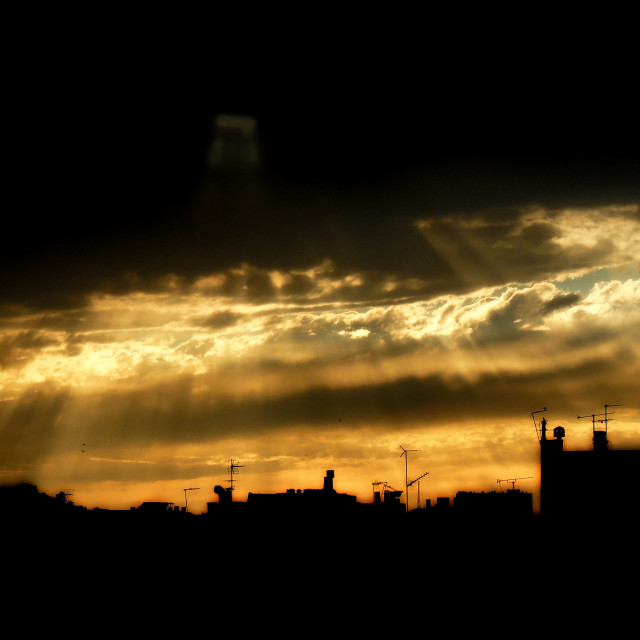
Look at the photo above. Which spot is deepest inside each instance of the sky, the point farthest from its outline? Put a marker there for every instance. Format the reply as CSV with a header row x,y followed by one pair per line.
x,y
300,289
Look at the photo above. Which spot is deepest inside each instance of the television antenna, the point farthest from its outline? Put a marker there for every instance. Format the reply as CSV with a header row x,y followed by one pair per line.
x,y
405,453
418,481
534,420
606,415
593,417
513,480
232,470
186,508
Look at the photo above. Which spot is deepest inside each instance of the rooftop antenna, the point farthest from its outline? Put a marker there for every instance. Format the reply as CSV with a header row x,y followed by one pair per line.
x,y
601,441
513,480
405,453
606,417
593,417
418,481
186,508
534,420
232,469
374,484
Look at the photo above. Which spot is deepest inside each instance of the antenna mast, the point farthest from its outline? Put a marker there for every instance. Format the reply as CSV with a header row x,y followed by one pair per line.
x,y
606,418
405,453
602,435
186,506
593,417
534,420
232,469
418,481
513,480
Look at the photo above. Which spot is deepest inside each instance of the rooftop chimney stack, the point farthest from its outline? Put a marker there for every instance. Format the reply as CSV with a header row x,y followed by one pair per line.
x,y
328,481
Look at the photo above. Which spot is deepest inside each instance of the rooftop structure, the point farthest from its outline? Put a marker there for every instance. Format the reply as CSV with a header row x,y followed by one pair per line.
x,y
323,499
601,484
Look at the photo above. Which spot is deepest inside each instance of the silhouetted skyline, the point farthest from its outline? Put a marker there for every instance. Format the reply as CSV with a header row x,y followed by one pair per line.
x,y
598,484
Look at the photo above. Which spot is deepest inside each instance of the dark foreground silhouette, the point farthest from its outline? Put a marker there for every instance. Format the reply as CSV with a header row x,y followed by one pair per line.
x,y
327,567
317,524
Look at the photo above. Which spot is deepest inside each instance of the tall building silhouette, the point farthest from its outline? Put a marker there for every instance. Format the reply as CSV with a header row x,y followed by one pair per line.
x,y
600,485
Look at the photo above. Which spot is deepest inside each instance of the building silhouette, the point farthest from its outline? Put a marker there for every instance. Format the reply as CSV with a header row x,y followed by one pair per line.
x,y
600,485
500,505
289,503
326,498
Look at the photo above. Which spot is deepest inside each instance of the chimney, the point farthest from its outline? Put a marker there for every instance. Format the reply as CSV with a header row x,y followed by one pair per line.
x,y
600,442
328,481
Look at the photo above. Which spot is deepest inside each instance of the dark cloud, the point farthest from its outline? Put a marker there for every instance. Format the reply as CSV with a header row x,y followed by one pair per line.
x,y
517,313
99,197
220,319
488,252
175,412
561,301
17,349
124,469
298,284
248,282
428,400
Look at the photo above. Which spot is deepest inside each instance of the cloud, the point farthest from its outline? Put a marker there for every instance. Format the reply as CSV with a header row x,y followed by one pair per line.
x,y
221,319
560,301
151,337
612,304
533,244
162,211
393,258
16,349
191,409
